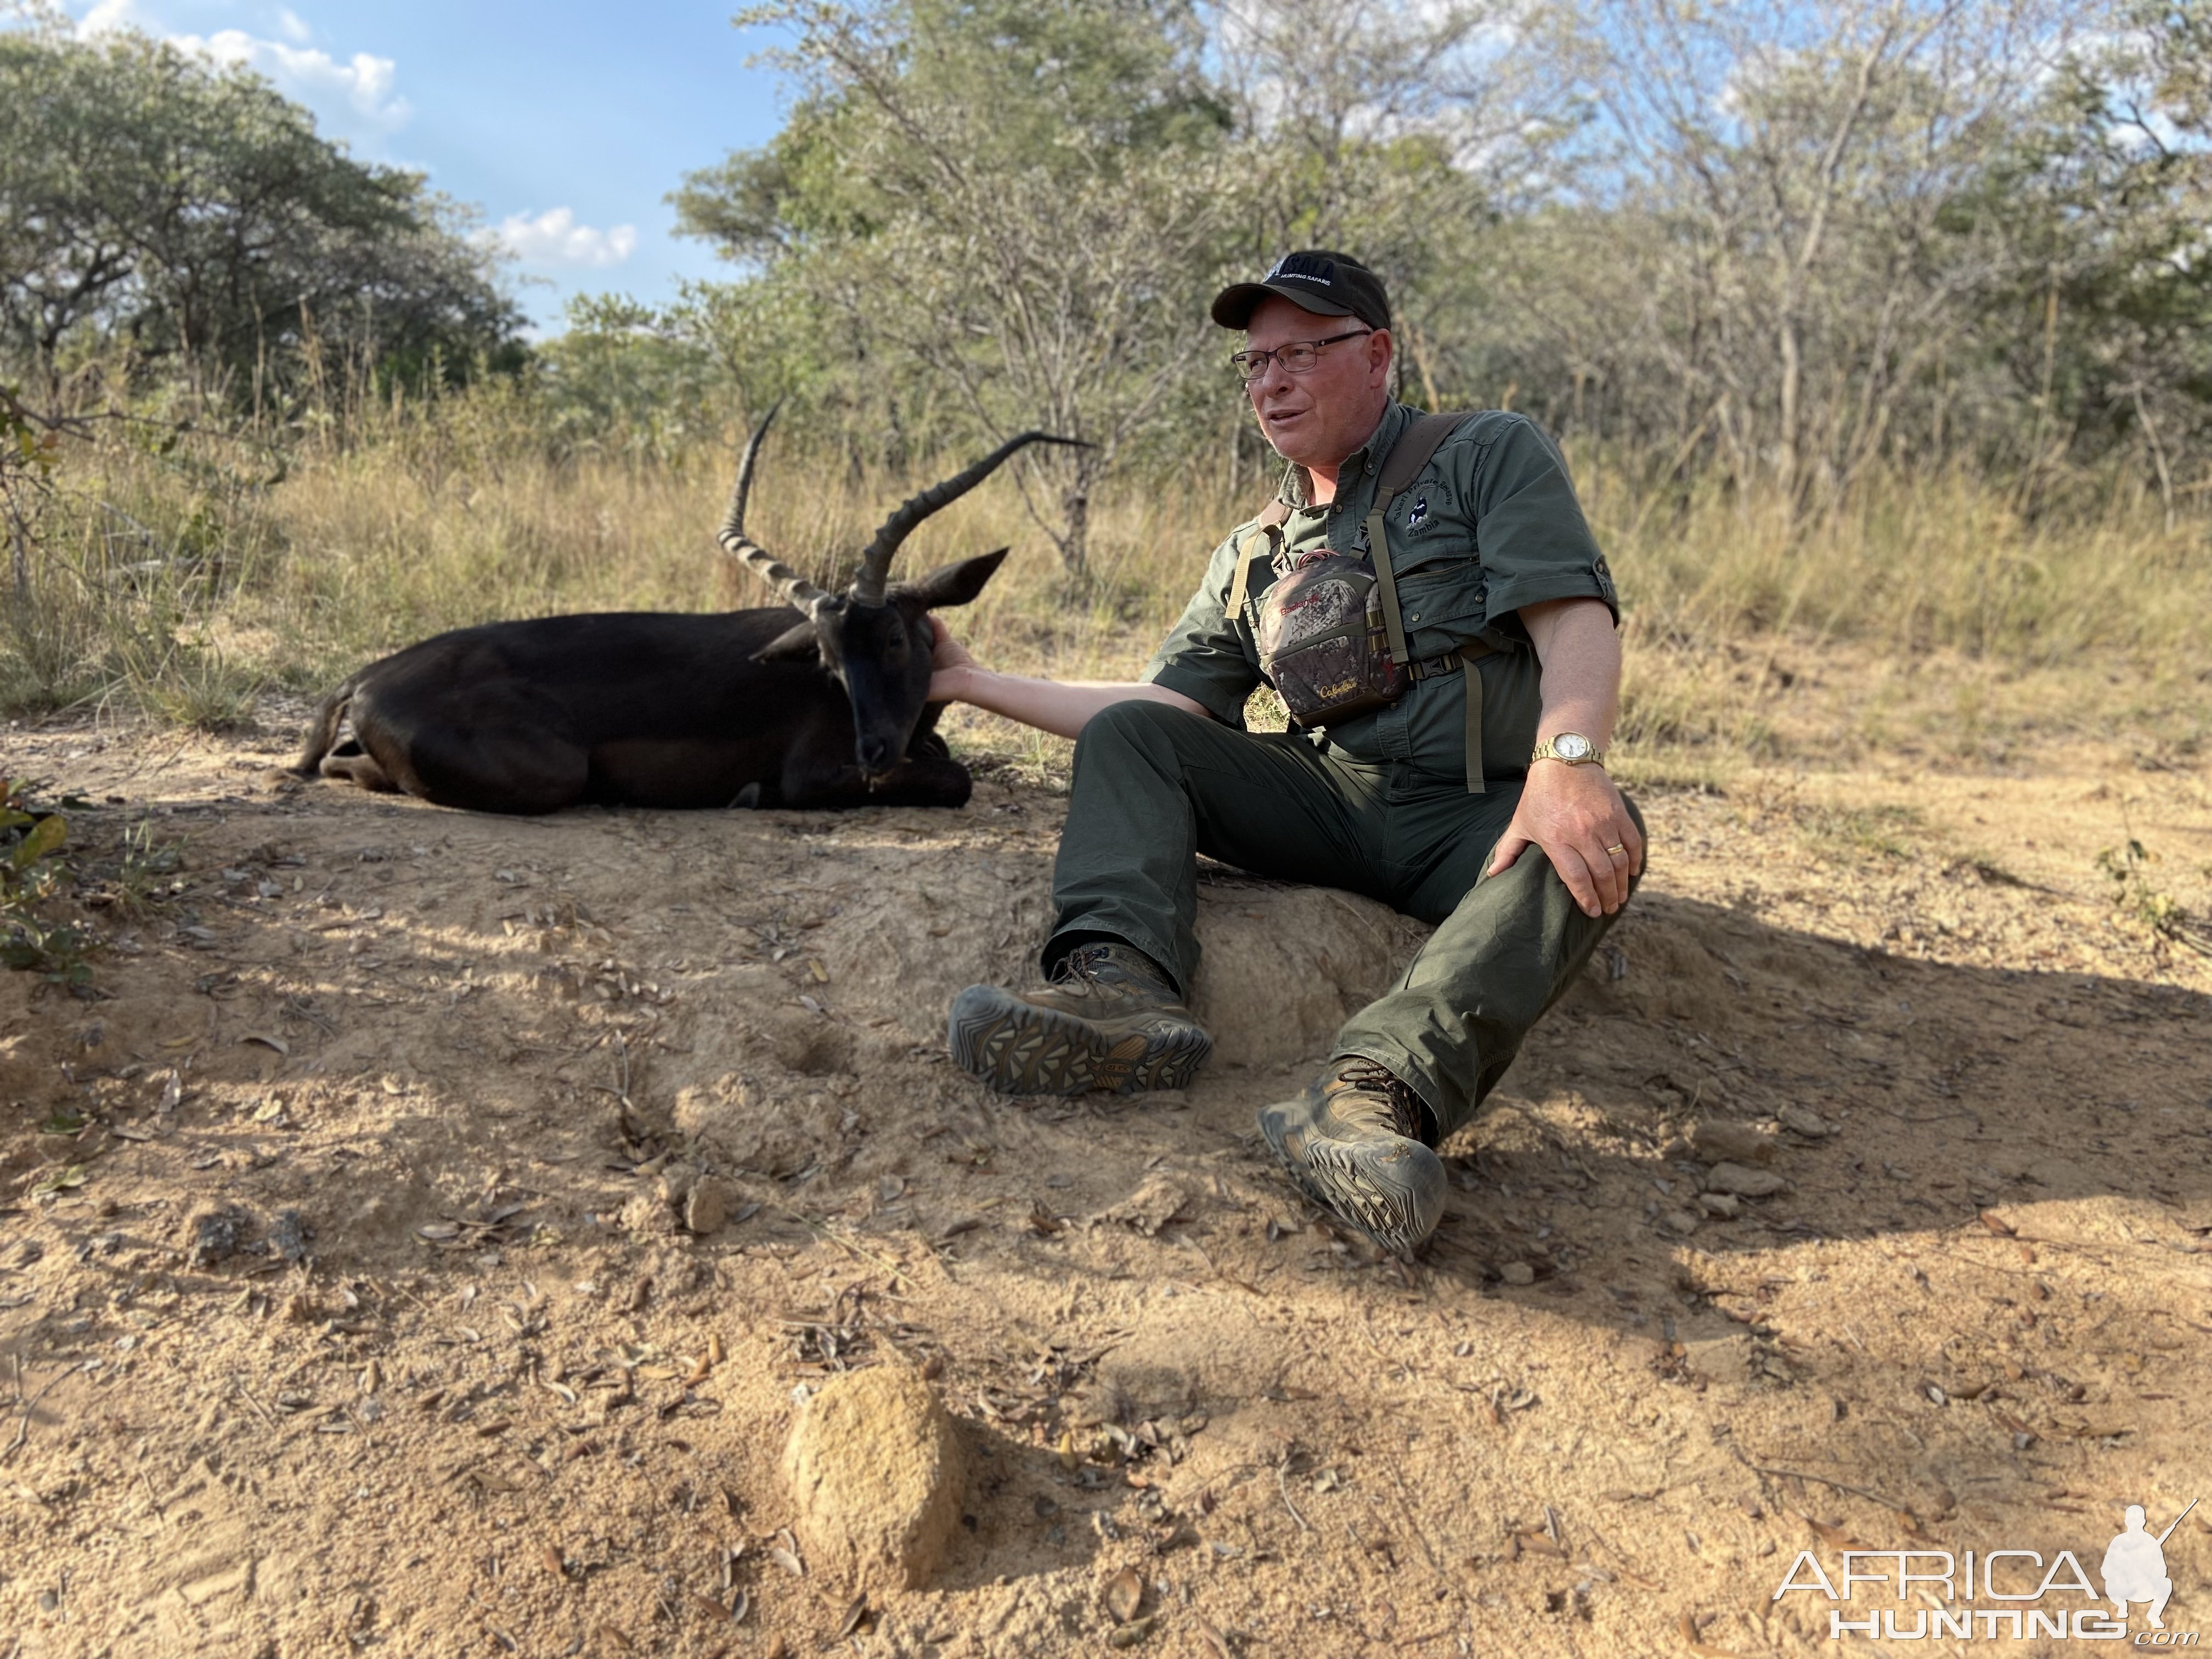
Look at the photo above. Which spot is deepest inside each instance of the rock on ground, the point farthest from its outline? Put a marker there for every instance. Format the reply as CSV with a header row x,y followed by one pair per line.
x,y
1744,1183
1717,1140
707,1205
214,1236
878,1472
1798,1121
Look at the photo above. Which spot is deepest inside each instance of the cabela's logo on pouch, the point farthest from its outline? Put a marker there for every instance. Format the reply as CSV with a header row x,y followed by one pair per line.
x,y
2028,1597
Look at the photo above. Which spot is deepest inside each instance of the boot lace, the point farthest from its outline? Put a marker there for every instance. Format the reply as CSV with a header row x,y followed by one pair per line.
x,y
1408,1113
1080,966
1132,975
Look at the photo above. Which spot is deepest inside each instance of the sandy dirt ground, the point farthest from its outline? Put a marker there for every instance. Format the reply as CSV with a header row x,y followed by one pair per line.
x,y
348,1303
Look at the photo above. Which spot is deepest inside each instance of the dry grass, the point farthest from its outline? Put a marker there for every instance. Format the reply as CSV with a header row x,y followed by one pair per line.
x,y
1935,612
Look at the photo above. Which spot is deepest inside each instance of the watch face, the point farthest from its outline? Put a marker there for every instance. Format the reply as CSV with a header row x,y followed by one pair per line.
x,y
1570,745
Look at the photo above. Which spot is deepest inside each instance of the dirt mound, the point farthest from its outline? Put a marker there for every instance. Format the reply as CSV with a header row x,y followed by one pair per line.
x,y
1282,966
360,1210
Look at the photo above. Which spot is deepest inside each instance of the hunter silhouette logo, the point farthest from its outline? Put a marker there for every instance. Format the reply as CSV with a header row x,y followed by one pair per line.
x,y
2030,1596
2135,1566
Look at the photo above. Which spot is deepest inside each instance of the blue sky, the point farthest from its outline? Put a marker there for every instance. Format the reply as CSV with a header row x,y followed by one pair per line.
x,y
565,123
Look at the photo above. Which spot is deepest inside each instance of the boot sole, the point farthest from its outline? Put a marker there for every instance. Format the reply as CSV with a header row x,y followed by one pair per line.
x,y
1397,1215
1019,1049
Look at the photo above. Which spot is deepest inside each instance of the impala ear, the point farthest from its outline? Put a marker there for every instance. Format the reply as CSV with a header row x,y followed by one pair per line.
x,y
791,645
952,584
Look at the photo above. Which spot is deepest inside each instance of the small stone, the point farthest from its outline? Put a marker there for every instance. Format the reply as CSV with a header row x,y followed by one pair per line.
x,y
674,1185
1124,1594
215,1238
1721,1359
1744,1184
1517,1273
1682,1223
707,1207
1800,1121
287,1235
876,1472
1723,1204
1718,1141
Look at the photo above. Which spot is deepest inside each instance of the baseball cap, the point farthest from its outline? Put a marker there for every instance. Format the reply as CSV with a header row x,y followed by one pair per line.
x,y
1313,279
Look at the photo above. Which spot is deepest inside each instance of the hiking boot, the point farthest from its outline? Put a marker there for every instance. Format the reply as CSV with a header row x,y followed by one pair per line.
x,y
1356,1143
1108,1020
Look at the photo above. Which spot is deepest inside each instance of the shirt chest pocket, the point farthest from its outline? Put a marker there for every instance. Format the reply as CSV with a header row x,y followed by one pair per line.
x,y
1444,602
1442,590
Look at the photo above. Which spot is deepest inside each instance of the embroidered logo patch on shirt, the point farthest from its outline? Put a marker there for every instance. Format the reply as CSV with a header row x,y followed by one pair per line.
x,y
1420,511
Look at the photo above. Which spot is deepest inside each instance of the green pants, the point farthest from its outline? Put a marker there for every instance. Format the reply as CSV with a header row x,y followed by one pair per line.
x,y
1155,786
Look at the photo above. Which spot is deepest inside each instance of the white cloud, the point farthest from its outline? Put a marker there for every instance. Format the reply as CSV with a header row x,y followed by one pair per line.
x,y
108,16
364,80
554,238
363,83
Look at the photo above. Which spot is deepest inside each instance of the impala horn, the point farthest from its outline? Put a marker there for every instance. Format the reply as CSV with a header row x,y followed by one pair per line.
x,y
876,560
795,588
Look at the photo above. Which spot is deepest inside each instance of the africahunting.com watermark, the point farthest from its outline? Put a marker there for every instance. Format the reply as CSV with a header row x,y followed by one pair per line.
x,y
2033,1598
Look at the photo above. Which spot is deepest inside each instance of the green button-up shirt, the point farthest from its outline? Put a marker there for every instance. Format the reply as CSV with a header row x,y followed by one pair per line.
x,y
1490,524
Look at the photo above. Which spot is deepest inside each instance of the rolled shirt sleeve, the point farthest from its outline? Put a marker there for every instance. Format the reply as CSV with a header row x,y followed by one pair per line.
x,y
1208,656
1535,544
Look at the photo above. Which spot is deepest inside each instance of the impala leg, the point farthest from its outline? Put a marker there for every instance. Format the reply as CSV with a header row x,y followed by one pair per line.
x,y
508,749
929,743
926,781
351,763
323,731
515,768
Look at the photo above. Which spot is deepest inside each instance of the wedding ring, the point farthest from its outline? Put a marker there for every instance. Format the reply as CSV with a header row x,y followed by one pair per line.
x,y
1618,850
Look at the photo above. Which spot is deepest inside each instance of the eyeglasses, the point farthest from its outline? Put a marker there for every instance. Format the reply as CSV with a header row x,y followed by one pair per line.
x,y
1298,357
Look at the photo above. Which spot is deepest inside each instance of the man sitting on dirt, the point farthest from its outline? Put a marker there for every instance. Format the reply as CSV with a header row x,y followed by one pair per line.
x,y
1446,721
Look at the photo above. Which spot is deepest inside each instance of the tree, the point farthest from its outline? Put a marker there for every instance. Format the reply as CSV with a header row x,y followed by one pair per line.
x,y
2103,327
192,214
1027,202
1803,169
646,377
1793,245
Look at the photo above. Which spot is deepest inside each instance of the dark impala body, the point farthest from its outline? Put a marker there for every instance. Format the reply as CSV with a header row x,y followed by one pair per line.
x,y
646,708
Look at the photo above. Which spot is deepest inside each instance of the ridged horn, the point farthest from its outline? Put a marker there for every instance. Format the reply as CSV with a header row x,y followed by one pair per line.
x,y
876,559
794,588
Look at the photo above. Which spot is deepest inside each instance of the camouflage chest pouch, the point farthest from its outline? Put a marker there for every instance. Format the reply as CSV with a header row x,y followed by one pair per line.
x,y
1323,641
1329,636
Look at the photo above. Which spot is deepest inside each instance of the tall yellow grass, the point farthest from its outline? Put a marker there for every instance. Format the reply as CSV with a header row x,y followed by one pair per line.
x,y
180,586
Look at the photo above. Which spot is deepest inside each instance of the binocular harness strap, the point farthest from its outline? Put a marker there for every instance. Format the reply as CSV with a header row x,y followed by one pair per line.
x,y
1416,443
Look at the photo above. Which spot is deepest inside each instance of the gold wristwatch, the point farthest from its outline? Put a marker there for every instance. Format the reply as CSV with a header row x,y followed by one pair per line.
x,y
1572,747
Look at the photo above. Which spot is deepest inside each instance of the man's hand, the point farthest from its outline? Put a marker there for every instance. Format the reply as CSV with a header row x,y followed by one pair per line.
x,y
1575,814
950,664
